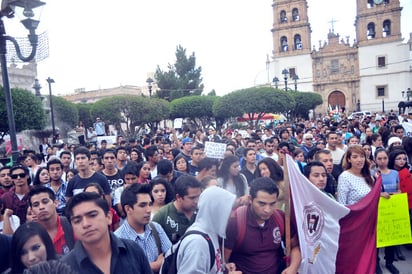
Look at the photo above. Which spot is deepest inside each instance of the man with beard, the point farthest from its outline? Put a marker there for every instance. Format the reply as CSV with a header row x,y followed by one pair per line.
x,y
5,180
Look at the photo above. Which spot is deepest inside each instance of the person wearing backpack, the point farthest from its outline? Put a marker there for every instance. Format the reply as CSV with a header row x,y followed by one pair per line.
x,y
199,250
137,203
255,234
43,203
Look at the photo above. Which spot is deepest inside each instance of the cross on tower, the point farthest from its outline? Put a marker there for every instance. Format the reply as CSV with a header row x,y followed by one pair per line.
x,y
332,24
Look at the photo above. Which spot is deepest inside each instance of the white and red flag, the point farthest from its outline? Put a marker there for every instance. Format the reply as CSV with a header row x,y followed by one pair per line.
x,y
333,238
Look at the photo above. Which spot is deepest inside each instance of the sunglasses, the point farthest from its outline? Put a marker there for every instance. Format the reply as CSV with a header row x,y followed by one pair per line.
x,y
309,139
15,176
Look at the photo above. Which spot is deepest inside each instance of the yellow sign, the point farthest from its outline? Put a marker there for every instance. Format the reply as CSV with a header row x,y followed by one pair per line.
x,y
394,227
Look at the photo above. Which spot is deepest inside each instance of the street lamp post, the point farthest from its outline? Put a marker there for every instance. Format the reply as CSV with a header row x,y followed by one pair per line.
x,y
149,82
276,81
37,87
50,81
295,79
8,8
285,73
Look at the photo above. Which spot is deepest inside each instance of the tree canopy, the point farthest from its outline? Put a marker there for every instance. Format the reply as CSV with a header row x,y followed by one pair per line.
x,y
132,110
255,102
181,79
28,111
85,114
198,108
305,101
66,115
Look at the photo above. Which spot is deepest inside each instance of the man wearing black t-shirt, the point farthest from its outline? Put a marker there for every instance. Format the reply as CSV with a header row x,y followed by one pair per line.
x,y
86,176
114,178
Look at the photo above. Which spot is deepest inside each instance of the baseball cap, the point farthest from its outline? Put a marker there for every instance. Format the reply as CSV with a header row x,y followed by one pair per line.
x,y
187,140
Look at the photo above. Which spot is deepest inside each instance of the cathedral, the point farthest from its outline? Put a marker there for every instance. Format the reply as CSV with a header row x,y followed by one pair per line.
x,y
371,73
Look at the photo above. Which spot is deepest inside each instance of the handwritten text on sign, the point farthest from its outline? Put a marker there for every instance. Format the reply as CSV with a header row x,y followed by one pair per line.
x,y
394,227
215,150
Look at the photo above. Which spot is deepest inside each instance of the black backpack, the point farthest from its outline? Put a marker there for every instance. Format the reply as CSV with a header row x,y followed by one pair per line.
x,y
169,265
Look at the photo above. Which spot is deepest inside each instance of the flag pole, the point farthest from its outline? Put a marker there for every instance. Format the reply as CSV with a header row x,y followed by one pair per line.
x,y
287,206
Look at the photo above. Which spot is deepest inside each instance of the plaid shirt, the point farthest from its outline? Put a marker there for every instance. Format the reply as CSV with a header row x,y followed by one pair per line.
x,y
60,196
145,241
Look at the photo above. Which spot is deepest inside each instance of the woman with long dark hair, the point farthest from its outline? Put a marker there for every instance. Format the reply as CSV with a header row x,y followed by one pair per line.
x,y
42,176
267,167
143,173
390,185
398,160
30,245
230,178
181,164
355,182
162,194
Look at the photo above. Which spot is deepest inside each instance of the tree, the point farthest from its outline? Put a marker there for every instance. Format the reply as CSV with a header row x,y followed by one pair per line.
x,y
198,108
132,110
66,115
182,79
28,112
255,102
305,101
85,114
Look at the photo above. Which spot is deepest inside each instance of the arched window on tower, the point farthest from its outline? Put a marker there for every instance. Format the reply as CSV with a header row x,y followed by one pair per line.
x,y
295,14
386,28
283,18
298,42
370,4
284,44
371,31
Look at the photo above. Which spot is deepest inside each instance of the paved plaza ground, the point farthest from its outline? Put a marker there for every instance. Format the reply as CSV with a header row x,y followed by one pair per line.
x,y
404,267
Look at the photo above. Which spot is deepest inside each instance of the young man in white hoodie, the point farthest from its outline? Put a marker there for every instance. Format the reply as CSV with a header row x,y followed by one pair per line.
x,y
215,205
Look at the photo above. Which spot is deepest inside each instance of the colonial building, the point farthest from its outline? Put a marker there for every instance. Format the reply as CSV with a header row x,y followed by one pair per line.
x,y
82,96
368,74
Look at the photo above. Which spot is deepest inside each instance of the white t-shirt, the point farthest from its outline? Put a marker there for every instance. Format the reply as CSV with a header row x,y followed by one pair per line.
x,y
14,223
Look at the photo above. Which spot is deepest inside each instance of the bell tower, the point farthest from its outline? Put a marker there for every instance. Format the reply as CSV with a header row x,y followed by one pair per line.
x,y
378,21
292,61
291,28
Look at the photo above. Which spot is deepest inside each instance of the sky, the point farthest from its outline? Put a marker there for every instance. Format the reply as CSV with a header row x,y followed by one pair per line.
x,y
98,44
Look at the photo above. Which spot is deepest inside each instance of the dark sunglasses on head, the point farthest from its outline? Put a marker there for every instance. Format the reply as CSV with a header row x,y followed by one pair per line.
x,y
15,176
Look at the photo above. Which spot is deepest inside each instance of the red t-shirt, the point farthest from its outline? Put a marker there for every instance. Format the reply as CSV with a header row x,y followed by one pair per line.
x,y
59,242
405,184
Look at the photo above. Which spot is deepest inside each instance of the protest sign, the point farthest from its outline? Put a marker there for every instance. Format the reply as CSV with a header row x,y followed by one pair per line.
x,y
215,150
393,221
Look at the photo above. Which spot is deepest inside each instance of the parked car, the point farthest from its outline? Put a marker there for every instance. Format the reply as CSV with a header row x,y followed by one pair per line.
x,y
360,114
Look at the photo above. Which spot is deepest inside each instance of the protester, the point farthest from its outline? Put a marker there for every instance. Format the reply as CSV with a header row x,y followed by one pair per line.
x,y
137,204
230,178
30,245
162,194
356,181
178,215
193,255
42,176
260,249
97,250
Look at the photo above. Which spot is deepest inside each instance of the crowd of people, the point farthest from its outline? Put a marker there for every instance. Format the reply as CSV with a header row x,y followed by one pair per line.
x,y
96,207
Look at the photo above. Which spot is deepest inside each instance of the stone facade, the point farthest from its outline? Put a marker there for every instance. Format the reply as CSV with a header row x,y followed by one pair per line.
x,y
370,73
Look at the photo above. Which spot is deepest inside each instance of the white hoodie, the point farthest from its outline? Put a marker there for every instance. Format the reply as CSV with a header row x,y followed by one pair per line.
x,y
215,206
